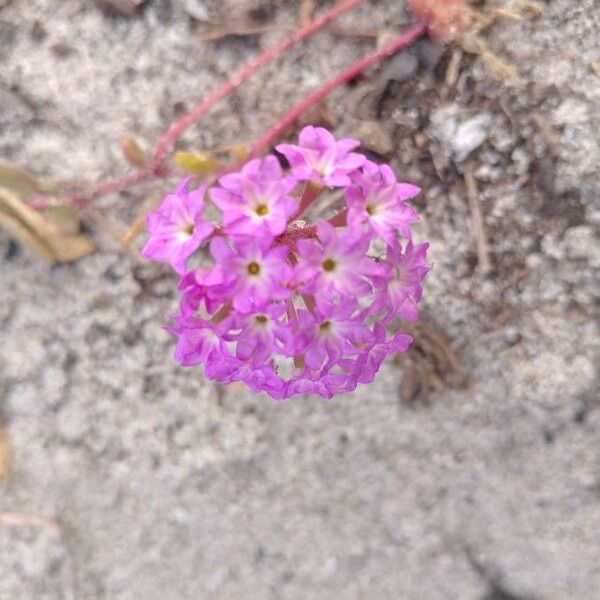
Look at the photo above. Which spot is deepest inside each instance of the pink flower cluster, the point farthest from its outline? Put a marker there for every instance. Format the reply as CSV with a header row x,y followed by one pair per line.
x,y
284,306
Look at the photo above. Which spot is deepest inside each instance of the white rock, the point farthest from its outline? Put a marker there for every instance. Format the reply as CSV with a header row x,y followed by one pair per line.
x,y
459,138
470,135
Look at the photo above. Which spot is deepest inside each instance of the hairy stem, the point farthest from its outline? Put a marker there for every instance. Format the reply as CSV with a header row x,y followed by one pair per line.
x,y
290,117
167,141
83,198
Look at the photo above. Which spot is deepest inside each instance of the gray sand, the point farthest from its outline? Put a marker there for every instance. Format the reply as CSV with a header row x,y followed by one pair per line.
x,y
132,478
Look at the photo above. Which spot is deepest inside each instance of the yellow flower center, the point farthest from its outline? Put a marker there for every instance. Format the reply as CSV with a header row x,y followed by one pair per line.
x,y
328,265
253,268
262,210
325,326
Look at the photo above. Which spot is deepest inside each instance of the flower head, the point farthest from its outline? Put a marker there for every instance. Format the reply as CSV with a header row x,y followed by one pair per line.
x,y
329,333
255,199
335,264
321,158
177,228
378,200
250,273
291,308
401,291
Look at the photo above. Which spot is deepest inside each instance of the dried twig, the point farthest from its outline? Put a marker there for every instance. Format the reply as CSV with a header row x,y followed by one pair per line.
x,y
306,10
483,252
544,128
240,29
453,70
41,235
4,455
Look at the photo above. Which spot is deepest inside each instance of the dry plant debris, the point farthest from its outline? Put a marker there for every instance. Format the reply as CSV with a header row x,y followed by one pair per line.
x,y
306,10
238,28
50,241
4,454
483,251
122,7
430,366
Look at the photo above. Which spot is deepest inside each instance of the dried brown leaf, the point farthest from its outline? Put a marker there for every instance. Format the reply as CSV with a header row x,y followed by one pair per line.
x,y
19,180
40,234
65,218
71,248
25,236
138,224
133,153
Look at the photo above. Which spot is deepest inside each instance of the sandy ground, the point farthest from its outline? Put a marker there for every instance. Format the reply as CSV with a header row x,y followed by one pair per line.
x,y
134,479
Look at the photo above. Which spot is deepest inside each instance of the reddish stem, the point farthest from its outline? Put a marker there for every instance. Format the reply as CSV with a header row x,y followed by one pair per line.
x,y
289,236
339,220
83,198
290,117
311,192
167,141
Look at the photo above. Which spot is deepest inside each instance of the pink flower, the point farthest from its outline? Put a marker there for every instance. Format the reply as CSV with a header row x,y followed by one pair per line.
x,y
338,264
198,342
379,200
319,157
255,199
177,228
260,333
195,297
263,379
250,274
330,333
401,291
383,346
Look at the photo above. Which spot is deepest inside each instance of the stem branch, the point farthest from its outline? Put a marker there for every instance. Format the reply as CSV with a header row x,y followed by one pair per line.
x,y
167,141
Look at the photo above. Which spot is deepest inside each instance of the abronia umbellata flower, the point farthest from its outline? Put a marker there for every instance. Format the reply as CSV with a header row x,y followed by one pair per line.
x,y
283,306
